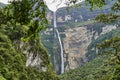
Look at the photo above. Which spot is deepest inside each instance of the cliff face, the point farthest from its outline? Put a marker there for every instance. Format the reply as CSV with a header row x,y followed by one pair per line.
x,y
76,39
36,55
76,42
75,45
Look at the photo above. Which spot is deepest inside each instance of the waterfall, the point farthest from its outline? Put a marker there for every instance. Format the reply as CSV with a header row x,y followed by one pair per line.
x,y
61,50
60,42
53,5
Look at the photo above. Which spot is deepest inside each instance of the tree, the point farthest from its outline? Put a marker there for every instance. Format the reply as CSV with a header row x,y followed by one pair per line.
x,y
111,17
112,47
19,20
25,12
105,18
33,13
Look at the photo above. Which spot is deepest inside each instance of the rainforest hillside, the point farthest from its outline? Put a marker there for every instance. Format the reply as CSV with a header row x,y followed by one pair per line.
x,y
85,46
21,58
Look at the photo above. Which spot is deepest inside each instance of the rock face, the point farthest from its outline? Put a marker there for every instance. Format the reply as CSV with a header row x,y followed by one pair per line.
x,y
36,56
76,39
76,42
75,45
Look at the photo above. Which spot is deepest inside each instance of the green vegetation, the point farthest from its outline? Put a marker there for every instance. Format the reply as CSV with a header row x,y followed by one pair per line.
x,y
18,28
12,60
111,47
103,64
111,17
92,53
78,24
110,10
20,24
93,70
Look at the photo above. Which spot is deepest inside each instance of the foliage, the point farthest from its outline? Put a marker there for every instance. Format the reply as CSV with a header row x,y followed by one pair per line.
x,y
77,24
92,53
104,67
116,6
96,3
28,13
12,60
100,68
24,18
112,46
107,18
92,70
93,3
17,21
1,78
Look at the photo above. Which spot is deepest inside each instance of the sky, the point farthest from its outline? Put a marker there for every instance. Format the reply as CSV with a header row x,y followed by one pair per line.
x,y
4,1
53,5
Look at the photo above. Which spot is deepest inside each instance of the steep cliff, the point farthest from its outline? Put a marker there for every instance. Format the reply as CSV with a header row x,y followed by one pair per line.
x,y
100,67
76,43
78,30
77,38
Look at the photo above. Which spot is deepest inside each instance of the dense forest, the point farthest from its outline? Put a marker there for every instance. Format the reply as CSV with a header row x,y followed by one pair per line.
x,y
17,42
24,57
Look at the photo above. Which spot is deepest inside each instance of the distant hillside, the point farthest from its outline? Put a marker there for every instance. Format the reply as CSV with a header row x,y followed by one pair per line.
x,y
94,69
78,14
2,4
80,29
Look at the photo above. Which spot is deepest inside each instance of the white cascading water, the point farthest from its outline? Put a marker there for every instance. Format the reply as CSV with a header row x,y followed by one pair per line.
x,y
61,49
53,5
60,43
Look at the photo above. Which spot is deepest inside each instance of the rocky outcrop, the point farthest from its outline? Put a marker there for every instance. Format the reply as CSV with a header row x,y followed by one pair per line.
x,y
25,60
75,45
36,55
76,42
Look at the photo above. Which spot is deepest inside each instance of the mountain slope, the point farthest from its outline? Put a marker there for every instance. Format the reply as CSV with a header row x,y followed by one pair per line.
x,y
97,68
21,60
2,5
93,70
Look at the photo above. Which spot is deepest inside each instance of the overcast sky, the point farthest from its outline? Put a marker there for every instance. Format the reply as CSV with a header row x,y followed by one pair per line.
x,y
50,4
53,5
4,1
